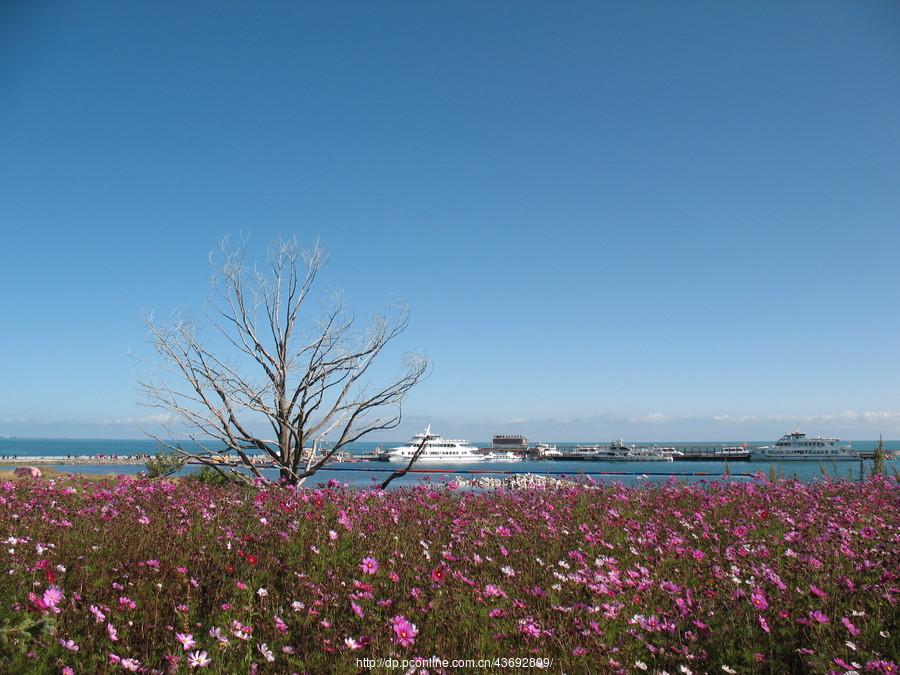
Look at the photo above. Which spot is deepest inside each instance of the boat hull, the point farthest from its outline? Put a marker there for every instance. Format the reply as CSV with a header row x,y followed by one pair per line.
x,y
820,459
589,458
436,460
742,457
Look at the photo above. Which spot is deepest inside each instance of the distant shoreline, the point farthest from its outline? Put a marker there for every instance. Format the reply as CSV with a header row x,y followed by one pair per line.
x,y
112,460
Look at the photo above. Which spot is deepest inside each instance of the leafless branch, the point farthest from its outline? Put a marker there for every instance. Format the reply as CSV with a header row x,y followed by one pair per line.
x,y
306,381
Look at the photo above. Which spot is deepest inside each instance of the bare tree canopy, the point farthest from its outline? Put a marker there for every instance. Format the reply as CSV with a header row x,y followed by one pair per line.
x,y
307,382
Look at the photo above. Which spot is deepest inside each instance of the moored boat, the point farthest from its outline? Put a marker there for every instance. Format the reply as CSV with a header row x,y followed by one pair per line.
x,y
724,453
437,449
796,446
616,451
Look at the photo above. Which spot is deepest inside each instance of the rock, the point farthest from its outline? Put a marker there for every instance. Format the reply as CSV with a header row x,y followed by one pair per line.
x,y
27,472
522,481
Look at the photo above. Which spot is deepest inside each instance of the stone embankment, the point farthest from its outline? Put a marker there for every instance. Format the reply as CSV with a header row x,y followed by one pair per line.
x,y
99,460
516,482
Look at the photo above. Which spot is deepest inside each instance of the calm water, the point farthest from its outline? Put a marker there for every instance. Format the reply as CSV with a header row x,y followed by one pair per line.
x,y
365,473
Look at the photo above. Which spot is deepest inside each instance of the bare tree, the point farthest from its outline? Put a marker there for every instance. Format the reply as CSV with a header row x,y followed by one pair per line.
x,y
307,383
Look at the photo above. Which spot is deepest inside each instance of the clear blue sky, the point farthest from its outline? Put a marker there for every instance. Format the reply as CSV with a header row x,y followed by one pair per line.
x,y
650,219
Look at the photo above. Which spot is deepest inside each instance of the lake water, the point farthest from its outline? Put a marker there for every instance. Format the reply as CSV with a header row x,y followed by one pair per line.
x,y
366,473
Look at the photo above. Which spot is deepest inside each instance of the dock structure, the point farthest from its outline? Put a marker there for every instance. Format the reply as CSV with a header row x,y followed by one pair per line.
x,y
713,453
508,443
514,442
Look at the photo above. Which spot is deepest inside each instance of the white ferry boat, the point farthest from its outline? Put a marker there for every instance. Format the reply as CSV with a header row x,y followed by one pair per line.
x,y
796,446
436,449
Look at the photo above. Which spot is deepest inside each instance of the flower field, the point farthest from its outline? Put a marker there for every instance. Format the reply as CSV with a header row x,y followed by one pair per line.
x,y
139,576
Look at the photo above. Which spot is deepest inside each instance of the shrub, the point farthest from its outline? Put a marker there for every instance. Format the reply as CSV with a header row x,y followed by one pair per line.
x,y
165,464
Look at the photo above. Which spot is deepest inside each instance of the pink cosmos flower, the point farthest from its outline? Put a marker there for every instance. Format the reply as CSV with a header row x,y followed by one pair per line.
x,y
69,644
404,631
492,591
816,591
763,623
818,617
199,659
357,610
352,644
216,632
758,600
53,596
132,665
112,632
186,639
99,616
529,627
853,630
369,565
266,652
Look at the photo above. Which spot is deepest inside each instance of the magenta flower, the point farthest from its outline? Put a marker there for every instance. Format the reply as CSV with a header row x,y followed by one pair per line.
x,y
404,631
529,627
369,565
758,600
186,639
763,623
853,630
492,591
818,617
816,591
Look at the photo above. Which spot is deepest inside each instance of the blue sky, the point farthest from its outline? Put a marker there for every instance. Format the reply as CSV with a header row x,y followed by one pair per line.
x,y
649,219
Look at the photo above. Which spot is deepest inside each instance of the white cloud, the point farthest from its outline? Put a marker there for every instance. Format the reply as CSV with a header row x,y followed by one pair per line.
x,y
160,418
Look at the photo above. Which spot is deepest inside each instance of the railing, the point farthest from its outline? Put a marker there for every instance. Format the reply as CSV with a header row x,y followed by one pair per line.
x,y
706,474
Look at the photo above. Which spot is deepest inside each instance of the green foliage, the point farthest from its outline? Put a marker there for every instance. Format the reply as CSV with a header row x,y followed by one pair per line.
x,y
17,634
165,464
209,476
